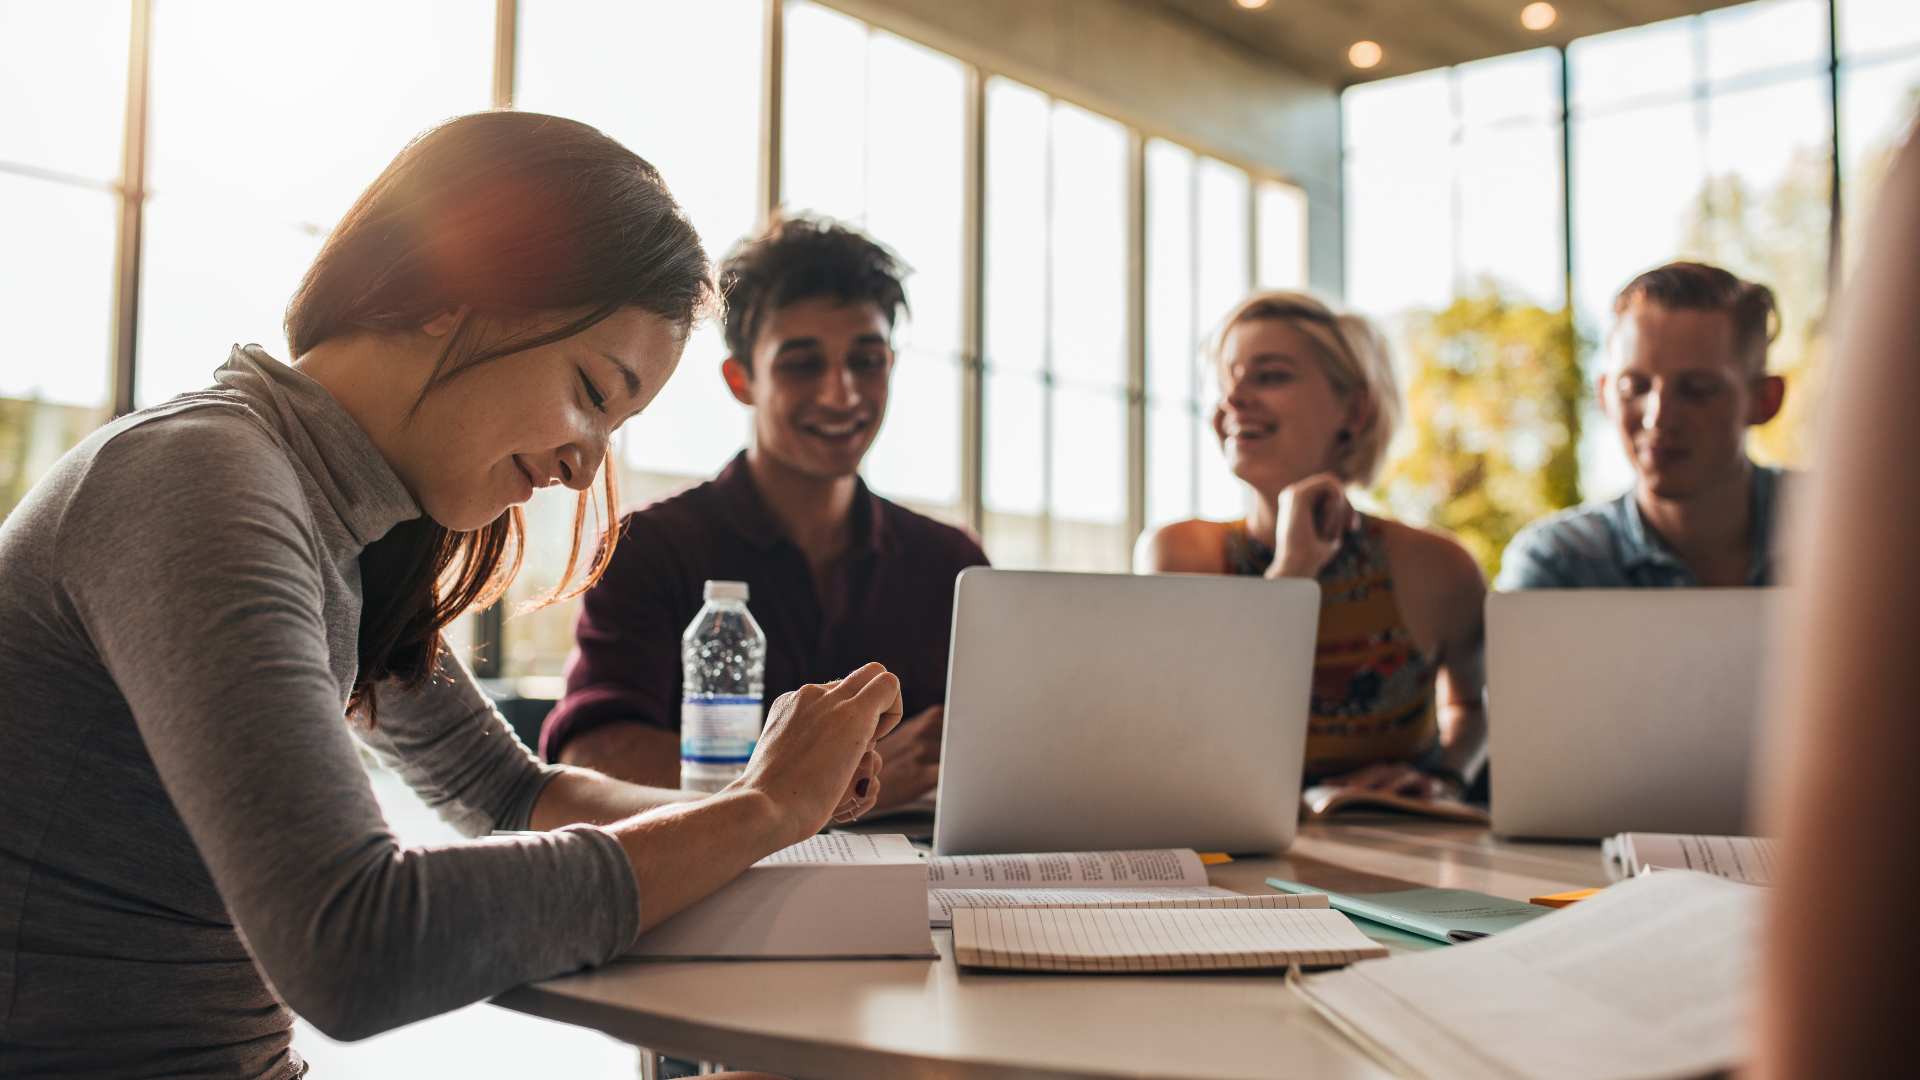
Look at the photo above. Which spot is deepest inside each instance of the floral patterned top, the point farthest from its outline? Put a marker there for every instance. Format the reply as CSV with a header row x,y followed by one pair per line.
x,y
1373,690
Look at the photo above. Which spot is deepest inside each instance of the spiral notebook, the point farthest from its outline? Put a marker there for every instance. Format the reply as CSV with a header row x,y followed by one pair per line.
x,y
1217,937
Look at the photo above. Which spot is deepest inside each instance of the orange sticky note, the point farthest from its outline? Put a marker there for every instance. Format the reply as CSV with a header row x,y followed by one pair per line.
x,y
1562,899
1214,858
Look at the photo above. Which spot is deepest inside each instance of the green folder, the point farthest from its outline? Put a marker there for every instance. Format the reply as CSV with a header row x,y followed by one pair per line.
x,y
1449,915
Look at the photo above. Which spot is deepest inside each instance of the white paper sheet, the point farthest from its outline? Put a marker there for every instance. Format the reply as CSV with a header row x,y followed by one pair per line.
x,y
1749,859
1651,978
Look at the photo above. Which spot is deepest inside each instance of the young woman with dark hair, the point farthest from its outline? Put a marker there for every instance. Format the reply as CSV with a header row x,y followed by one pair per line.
x,y
203,597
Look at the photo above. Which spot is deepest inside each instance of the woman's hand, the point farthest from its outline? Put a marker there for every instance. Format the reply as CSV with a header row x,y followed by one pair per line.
x,y
1313,516
1397,778
816,759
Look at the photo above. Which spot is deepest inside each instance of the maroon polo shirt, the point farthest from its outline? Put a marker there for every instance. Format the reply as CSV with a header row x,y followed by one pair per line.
x,y
892,601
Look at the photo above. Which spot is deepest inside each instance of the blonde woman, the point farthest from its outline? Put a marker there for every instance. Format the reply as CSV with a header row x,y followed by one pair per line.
x,y
1307,406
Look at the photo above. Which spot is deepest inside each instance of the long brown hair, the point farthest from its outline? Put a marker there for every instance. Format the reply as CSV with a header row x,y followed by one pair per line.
x,y
491,217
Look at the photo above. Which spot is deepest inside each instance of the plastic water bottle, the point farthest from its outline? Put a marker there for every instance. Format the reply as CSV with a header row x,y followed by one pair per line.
x,y
723,657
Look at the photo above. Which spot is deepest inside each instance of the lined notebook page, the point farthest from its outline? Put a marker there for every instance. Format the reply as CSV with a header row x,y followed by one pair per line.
x,y
942,902
1156,939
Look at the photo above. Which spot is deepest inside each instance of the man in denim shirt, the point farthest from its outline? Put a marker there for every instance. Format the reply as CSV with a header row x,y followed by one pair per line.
x,y
1686,377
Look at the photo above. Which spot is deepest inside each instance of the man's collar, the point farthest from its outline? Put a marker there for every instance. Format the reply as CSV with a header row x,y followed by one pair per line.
x,y
747,511
1643,547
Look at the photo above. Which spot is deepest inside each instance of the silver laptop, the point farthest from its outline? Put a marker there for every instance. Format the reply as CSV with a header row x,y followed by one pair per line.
x,y
1090,712
1624,710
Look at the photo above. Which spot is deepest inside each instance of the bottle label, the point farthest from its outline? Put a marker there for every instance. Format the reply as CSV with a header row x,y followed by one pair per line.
x,y
718,729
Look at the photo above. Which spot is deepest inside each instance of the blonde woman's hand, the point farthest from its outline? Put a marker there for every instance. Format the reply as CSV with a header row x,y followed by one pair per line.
x,y
816,759
1313,516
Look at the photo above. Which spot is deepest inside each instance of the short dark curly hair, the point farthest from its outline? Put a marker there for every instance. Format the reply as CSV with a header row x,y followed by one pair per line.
x,y
798,258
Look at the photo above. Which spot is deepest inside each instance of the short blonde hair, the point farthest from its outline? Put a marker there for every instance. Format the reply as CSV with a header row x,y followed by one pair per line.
x,y
1354,355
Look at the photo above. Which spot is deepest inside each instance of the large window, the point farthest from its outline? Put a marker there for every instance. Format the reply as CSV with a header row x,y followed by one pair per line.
x,y
1024,405
1734,107
1198,267
874,134
1455,244
1879,47
63,77
1280,239
1056,346
249,167
1708,137
645,74
1453,185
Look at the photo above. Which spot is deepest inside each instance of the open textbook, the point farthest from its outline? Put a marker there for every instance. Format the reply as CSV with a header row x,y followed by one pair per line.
x,y
1650,978
1115,940
833,895
1328,800
1746,859
1066,879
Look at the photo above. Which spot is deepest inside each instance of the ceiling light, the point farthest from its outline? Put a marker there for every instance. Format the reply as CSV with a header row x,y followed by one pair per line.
x,y
1365,54
1251,5
1538,15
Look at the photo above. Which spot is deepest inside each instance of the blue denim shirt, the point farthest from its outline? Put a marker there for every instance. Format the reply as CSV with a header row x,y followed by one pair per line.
x,y
1609,546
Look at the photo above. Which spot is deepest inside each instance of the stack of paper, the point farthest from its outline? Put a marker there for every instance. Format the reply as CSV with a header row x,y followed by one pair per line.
x,y
835,895
1651,978
1748,859
1214,938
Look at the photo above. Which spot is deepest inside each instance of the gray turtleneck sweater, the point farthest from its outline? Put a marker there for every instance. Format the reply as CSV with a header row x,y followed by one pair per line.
x,y
188,843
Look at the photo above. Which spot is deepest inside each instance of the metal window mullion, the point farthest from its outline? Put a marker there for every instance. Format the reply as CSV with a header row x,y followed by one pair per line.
x,y
973,305
1702,96
489,656
506,44
1196,331
1136,331
130,231
1253,232
866,127
1456,206
1836,207
1566,181
1046,340
773,58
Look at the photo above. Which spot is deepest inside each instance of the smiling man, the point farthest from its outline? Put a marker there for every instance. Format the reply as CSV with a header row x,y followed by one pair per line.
x,y
838,576
1686,377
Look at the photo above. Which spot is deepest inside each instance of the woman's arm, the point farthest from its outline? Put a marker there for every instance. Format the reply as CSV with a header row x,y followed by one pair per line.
x,y
1184,547
193,564
452,746
581,796
1442,598
1837,973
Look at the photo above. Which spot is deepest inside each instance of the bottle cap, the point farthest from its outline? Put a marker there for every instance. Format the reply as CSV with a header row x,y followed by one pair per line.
x,y
726,590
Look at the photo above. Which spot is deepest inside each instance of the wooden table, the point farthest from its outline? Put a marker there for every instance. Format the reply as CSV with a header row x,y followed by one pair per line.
x,y
924,1018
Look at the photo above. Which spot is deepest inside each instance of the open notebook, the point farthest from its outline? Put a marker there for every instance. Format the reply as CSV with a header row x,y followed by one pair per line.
x,y
1239,933
1066,879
